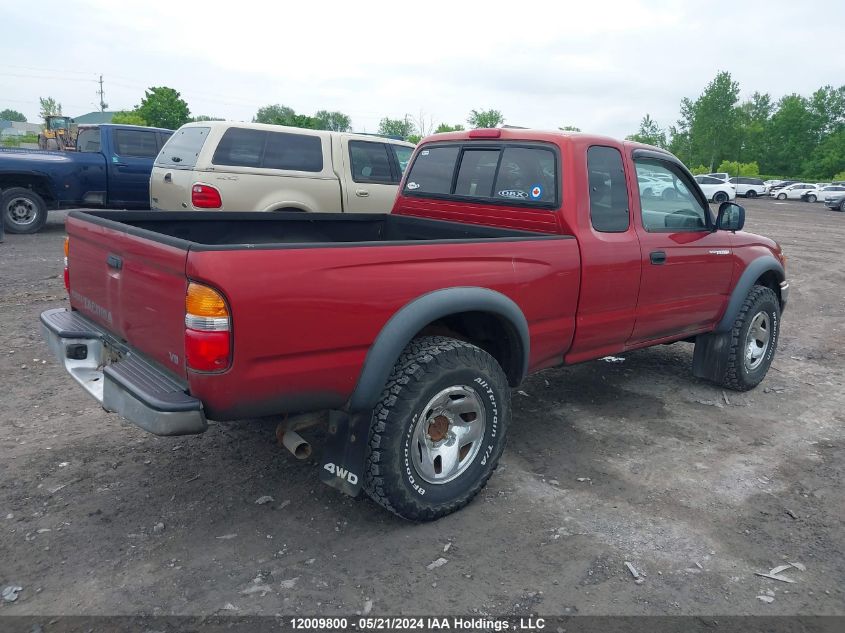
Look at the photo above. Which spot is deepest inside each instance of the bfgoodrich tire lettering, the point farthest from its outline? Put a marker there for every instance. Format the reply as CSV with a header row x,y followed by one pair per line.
x,y
429,367
760,308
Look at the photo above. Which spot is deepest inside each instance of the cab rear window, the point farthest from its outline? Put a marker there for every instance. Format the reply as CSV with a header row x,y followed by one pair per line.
x,y
501,173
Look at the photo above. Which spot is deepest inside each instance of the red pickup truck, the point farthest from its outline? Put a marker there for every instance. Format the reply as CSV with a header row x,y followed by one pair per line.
x,y
507,252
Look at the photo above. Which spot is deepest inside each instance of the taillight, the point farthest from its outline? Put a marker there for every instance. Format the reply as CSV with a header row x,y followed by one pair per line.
x,y
67,271
205,197
208,329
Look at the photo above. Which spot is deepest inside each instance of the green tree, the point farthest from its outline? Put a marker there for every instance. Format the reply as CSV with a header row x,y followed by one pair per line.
x,y
276,114
701,169
414,138
569,128
754,117
485,118
12,115
205,117
735,168
128,117
398,128
839,177
164,107
445,127
49,107
649,133
791,136
334,121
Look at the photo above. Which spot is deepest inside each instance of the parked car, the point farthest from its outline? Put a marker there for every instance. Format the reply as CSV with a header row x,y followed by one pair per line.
x,y
748,187
822,193
797,191
412,328
110,168
783,183
837,203
652,186
253,167
715,189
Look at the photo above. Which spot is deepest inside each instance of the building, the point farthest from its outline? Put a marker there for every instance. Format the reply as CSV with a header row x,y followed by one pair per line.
x,y
95,117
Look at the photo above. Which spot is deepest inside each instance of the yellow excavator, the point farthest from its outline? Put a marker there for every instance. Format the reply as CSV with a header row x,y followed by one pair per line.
x,y
57,134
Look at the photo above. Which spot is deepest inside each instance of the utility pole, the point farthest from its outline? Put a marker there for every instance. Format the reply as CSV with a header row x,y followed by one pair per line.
x,y
103,104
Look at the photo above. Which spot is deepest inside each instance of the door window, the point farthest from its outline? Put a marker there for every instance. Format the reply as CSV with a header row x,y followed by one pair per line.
x,y
674,207
136,143
608,191
370,163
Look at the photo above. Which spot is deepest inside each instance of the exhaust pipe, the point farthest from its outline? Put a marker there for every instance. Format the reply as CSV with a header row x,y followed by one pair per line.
x,y
296,444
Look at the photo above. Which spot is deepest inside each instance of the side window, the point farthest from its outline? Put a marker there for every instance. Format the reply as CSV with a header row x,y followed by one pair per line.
x,y
432,170
477,171
88,140
240,147
403,156
608,190
183,148
527,173
370,162
296,152
672,206
136,143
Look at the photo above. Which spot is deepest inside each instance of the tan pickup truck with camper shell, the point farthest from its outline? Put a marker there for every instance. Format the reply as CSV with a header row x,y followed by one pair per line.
x,y
255,167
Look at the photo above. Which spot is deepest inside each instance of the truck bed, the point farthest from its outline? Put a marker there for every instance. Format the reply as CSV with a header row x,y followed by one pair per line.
x,y
193,230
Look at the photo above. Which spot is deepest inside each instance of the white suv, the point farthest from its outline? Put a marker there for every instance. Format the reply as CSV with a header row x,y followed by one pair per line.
x,y
254,167
797,191
716,190
749,187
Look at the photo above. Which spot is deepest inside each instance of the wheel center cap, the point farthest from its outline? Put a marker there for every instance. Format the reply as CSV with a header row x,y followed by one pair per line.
x,y
438,428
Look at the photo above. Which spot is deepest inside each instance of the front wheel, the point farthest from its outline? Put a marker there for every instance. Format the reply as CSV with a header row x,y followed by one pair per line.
x,y
811,198
753,340
781,196
720,197
23,210
438,430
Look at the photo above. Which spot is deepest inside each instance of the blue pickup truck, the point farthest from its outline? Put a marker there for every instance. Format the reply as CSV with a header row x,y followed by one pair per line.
x,y
109,169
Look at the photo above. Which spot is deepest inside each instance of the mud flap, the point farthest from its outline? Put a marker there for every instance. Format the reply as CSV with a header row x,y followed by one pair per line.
x,y
345,451
710,358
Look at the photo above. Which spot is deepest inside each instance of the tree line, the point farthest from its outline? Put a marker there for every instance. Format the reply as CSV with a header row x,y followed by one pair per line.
x,y
794,136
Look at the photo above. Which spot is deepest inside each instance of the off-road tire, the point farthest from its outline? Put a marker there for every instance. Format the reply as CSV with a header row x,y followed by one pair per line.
x,y
36,202
427,366
737,376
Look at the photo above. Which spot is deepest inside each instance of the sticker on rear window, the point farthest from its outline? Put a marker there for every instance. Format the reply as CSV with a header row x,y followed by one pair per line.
x,y
513,193
536,192
412,186
425,152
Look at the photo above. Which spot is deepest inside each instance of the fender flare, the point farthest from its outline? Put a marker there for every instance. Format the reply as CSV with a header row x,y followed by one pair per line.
x,y
414,316
752,273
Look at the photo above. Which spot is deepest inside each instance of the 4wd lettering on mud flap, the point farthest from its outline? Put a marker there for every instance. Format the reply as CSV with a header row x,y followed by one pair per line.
x,y
337,471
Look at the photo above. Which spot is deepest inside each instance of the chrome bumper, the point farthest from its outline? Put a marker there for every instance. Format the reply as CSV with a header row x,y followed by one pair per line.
x,y
118,378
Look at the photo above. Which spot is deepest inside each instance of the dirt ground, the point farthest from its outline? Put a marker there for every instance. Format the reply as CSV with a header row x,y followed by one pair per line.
x,y
606,463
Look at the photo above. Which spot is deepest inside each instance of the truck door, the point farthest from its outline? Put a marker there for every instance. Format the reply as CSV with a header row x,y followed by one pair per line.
x,y
610,256
686,266
130,164
370,176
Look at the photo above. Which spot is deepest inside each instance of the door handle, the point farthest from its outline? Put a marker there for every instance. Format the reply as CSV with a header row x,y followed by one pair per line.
x,y
168,177
362,193
658,257
118,164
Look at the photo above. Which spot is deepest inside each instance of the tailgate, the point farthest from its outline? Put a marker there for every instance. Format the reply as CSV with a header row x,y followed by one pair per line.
x,y
132,286
170,189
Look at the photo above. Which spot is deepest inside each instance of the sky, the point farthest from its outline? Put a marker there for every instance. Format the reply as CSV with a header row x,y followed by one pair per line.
x,y
599,66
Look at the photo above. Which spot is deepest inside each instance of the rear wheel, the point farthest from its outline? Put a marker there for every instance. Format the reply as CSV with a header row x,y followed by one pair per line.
x,y
751,193
811,198
842,206
23,210
720,197
438,430
781,196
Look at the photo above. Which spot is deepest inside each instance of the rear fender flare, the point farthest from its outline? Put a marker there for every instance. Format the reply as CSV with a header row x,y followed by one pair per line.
x,y
420,312
752,273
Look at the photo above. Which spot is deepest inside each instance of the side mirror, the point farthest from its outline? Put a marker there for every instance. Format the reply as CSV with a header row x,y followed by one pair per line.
x,y
731,217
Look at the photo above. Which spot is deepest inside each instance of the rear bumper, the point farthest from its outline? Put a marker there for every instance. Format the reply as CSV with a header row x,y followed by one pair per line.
x,y
119,378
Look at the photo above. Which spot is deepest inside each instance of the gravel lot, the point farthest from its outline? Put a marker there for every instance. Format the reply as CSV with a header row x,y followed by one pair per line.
x,y
607,462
